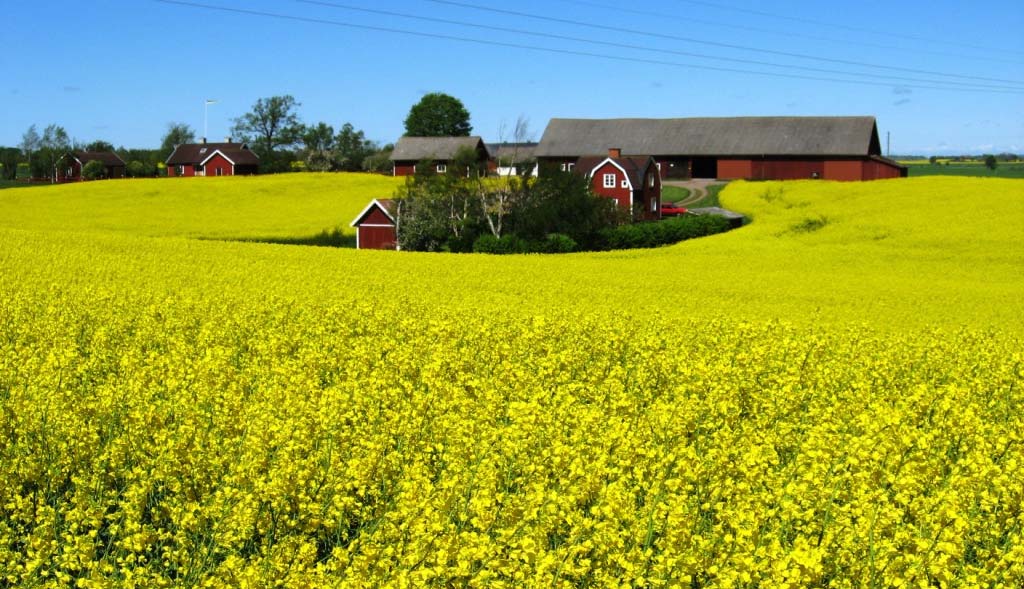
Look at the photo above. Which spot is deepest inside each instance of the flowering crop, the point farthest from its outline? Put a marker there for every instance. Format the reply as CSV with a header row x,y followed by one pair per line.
x,y
185,413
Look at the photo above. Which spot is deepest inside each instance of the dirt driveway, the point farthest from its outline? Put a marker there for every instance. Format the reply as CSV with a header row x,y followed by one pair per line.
x,y
698,188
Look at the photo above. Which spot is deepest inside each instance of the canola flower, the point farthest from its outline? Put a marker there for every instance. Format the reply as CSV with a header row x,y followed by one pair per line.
x,y
183,413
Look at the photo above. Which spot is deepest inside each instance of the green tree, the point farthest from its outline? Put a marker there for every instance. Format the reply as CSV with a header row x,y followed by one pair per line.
x,y
177,134
30,144
990,162
99,145
94,170
438,115
271,124
380,161
10,157
351,148
319,147
54,145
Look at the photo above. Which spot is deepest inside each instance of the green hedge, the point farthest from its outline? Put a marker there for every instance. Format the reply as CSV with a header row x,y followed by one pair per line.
x,y
658,233
555,243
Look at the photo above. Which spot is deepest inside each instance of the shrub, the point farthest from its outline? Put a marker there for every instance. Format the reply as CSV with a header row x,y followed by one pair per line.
x,y
506,244
94,170
658,233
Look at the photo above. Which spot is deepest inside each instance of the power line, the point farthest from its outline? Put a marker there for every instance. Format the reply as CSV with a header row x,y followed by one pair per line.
x,y
901,79
689,20
715,43
841,26
492,43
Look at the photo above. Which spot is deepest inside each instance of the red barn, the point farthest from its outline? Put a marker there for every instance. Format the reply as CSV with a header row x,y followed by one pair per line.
x,y
213,159
71,170
632,181
375,226
756,148
437,152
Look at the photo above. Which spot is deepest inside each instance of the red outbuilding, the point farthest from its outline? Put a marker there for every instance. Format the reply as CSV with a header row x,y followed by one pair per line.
x,y
376,227
632,181
74,162
213,159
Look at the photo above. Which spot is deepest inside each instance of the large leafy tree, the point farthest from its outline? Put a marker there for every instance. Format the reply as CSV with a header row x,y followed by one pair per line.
x,y
99,145
54,145
31,142
352,147
273,122
318,141
438,115
177,134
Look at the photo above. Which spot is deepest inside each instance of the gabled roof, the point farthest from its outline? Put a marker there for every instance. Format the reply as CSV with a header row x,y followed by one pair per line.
x,y
384,204
521,152
194,153
634,166
737,136
433,148
107,158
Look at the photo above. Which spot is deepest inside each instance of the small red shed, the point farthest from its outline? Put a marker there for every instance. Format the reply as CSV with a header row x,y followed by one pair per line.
x,y
375,226
634,182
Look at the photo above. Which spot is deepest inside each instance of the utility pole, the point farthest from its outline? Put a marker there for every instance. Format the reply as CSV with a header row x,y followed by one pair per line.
x,y
206,118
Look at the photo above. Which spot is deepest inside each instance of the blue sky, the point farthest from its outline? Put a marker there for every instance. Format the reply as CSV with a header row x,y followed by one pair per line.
x,y
120,70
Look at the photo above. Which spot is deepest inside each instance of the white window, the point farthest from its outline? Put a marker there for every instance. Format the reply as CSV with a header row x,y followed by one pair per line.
x,y
650,181
181,171
609,180
567,167
442,168
625,183
654,205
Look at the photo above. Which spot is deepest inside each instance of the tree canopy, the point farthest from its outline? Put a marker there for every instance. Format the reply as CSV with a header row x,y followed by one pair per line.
x,y
438,115
177,134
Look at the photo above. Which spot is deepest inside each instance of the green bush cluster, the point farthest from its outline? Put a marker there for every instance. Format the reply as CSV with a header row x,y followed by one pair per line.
x,y
665,232
554,243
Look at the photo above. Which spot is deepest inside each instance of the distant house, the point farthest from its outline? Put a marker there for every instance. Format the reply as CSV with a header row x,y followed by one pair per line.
x,y
508,159
213,159
632,181
376,227
74,162
757,148
438,151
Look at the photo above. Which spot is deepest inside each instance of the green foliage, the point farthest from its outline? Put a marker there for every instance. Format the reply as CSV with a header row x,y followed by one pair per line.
x,y
271,124
379,162
563,203
94,170
438,115
10,157
658,233
99,145
177,134
352,148
991,162
139,169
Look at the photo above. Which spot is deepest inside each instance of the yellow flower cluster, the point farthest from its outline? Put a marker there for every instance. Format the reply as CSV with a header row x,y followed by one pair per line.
x,y
186,413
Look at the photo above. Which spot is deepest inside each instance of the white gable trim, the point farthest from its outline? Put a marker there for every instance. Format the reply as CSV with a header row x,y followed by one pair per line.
x,y
373,203
608,160
215,152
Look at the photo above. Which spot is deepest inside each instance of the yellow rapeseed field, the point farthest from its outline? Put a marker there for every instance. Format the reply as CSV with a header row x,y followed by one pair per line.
x,y
828,397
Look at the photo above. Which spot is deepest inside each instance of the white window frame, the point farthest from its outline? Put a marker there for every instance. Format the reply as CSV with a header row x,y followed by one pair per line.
x,y
625,183
442,168
654,205
650,182
609,180
219,172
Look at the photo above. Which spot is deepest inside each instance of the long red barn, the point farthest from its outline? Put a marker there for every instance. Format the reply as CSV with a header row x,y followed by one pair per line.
x,y
213,159
755,148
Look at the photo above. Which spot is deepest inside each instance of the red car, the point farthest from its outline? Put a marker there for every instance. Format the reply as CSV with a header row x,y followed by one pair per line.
x,y
670,210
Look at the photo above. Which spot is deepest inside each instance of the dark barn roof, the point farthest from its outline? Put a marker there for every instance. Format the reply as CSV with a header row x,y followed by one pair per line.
x,y
522,152
107,158
739,136
634,166
433,148
195,153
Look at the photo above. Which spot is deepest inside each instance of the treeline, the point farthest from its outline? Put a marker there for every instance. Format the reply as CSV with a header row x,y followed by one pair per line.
x,y
272,129
462,210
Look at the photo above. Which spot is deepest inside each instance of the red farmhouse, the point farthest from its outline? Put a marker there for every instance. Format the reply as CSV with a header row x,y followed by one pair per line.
x,y
375,227
632,181
438,151
113,166
213,159
755,148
